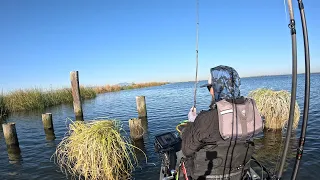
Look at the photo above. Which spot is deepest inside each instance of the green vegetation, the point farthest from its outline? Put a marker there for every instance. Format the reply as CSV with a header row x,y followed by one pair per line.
x,y
36,98
23,100
96,150
275,107
3,108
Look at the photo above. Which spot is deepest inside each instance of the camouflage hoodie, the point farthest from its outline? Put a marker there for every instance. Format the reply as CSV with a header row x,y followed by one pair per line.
x,y
225,82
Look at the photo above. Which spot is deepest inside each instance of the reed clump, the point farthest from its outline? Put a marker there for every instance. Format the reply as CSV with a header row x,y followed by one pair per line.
x,y
36,98
275,107
96,150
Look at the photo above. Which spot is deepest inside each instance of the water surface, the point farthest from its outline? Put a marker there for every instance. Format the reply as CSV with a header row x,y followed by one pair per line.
x,y
166,106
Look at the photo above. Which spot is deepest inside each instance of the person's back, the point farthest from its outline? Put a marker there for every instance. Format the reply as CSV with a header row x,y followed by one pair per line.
x,y
208,154
215,144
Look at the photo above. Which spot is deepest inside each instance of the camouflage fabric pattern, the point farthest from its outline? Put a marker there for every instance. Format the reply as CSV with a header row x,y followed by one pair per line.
x,y
225,82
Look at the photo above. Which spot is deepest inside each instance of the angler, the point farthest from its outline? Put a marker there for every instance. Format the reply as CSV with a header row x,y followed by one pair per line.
x,y
216,144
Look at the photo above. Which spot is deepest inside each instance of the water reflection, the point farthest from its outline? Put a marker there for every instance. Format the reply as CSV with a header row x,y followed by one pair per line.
x,y
50,136
14,155
140,151
269,148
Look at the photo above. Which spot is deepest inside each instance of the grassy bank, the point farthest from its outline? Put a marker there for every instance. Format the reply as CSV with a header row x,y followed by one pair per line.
x,y
29,99
114,88
36,98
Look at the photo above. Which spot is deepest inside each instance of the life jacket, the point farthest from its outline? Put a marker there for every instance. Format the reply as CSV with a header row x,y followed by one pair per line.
x,y
239,120
229,157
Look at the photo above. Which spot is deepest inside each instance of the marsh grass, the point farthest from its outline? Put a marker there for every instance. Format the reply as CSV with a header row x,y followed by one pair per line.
x,y
96,150
3,108
38,99
115,88
275,107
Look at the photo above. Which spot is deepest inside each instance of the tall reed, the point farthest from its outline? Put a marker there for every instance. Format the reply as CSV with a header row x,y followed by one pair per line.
x,y
3,108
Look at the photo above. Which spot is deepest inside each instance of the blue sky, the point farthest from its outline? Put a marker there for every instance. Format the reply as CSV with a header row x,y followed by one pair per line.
x,y
110,42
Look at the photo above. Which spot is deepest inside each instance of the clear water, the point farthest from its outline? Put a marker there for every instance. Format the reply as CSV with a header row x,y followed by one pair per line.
x,y
166,105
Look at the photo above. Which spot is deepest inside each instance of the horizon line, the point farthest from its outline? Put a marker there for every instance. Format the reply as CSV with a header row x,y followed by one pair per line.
x,y
249,77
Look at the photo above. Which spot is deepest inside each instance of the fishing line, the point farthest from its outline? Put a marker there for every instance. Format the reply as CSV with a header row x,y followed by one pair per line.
x,y
197,42
285,10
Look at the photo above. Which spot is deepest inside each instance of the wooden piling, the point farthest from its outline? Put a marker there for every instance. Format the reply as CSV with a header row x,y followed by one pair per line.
x,y
47,121
48,126
77,106
136,129
141,106
144,122
10,135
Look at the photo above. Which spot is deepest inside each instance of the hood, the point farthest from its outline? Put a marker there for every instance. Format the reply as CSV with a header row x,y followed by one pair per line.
x,y
225,82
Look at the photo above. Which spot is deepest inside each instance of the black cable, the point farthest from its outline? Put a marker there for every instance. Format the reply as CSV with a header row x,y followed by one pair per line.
x,y
307,91
293,88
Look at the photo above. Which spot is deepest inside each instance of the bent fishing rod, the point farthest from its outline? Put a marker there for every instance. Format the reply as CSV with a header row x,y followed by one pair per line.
x,y
306,91
197,42
293,88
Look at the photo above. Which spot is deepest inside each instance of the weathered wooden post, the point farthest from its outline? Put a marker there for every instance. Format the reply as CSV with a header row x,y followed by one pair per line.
x,y
10,135
77,106
136,129
141,106
144,123
11,138
47,121
48,126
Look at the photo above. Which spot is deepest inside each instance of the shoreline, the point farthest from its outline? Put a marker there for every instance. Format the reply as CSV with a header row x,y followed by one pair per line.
x,y
38,98
247,77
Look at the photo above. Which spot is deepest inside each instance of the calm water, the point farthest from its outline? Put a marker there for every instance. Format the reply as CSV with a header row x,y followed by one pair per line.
x,y
167,105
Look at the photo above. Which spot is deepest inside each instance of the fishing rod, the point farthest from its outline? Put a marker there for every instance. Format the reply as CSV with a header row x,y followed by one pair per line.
x,y
197,42
306,91
293,88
